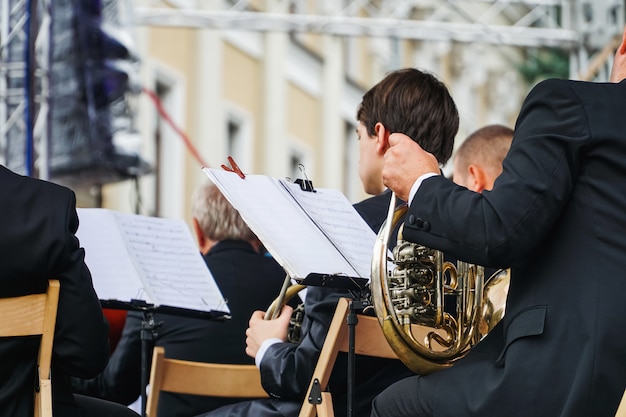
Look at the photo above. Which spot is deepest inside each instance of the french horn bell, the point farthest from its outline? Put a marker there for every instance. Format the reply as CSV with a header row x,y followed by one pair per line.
x,y
410,287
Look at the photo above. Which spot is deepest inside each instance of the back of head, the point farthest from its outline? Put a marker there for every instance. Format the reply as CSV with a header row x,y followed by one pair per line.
x,y
485,147
217,218
417,104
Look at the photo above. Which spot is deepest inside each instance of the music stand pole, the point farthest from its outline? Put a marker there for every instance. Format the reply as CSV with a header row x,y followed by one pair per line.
x,y
148,334
352,321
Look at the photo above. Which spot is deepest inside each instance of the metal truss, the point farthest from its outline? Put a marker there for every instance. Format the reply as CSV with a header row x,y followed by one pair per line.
x,y
500,22
584,28
24,83
526,23
12,67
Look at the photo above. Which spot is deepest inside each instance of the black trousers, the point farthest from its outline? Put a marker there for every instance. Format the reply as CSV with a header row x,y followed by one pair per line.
x,y
409,397
95,407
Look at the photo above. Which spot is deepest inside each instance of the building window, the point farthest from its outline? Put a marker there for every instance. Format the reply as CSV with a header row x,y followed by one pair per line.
x,y
300,162
296,165
238,130
352,184
233,137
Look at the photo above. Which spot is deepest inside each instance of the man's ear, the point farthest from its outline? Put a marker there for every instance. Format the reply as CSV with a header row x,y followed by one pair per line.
x,y
477,179
200,237
205,243
382,138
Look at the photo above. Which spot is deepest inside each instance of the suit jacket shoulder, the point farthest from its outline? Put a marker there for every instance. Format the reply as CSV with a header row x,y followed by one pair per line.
x,y
374,209
37,244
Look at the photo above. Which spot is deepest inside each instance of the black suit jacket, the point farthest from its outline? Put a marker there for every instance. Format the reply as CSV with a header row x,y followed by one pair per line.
x,y
248,281
38,222
557,215
286,368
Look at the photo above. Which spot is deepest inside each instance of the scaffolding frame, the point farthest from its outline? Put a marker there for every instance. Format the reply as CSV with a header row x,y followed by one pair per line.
x,y
24,83
584,28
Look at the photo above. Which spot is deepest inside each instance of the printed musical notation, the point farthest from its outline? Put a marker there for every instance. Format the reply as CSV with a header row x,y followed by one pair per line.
x,y
307,232
331,211
146,258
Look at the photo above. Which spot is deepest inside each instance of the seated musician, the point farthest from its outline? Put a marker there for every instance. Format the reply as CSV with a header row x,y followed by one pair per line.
x,y
407,100
248,281
38,243
478,161
556,215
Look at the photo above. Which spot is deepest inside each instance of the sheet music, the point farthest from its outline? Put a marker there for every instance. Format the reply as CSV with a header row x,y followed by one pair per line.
x,y
169,262
168,268
339,220
112,271
285,230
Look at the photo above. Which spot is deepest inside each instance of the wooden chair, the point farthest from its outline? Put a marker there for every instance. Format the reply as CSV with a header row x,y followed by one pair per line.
x,y
200,378
34,315
369,340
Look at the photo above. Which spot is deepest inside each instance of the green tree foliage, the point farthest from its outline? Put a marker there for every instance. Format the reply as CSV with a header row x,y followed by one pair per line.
x,y
545,63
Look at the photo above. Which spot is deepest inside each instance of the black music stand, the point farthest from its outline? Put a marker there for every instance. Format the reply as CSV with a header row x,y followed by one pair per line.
x,y
149,330
359,287
352,320
342,282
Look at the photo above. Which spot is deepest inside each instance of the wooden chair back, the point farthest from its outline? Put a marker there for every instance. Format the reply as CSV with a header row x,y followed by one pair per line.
x,y
34,315
200,378
369,340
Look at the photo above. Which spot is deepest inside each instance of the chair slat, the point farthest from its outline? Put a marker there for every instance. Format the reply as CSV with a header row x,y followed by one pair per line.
x,y
199,378
22,316
369,340
34,314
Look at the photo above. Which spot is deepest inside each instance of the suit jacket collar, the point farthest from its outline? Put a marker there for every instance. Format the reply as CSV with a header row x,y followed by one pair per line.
x,y
229,244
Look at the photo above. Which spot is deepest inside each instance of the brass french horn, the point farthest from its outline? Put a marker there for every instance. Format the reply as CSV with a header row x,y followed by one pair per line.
x,y
409,291
287,292
409,301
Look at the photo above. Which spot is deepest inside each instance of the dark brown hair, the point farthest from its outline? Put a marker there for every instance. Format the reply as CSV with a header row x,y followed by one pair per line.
x,y
417,104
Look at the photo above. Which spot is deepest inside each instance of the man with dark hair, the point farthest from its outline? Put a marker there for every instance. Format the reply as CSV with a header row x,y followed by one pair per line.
x,y
407,100
248,281
556,215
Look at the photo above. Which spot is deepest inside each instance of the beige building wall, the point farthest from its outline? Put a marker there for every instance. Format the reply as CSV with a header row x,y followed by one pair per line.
x,y
243,88
289,98
304,120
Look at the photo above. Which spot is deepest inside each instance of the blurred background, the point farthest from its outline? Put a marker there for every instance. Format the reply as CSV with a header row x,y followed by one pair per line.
x,y
125,101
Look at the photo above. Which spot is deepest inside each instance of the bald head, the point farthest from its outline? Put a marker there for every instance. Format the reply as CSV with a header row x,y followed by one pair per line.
x,y
478,161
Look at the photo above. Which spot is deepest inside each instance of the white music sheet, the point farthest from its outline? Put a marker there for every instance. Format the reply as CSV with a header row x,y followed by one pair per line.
x,y
339,220
289,233
146,258
113,273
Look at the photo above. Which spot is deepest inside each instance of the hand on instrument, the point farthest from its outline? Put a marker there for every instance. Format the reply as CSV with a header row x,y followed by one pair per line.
x,y
404,162
260,330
